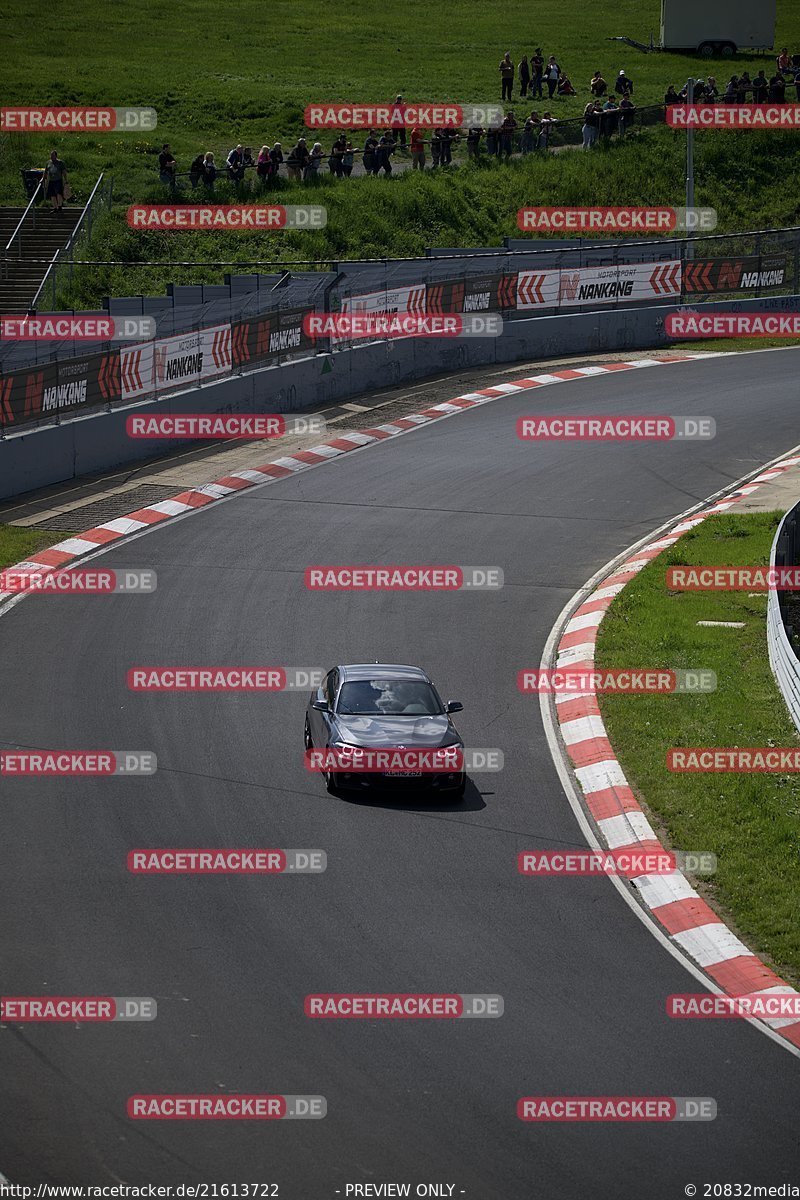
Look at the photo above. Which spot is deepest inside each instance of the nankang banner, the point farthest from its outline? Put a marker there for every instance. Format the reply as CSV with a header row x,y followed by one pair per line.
x,y
176,361
620,283
53,389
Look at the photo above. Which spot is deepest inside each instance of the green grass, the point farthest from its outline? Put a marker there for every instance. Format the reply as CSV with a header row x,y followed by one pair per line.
x,y
17,543
751,822
218,75
730,344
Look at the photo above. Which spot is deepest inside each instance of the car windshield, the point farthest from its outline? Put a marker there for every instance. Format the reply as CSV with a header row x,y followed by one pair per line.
x,y
398,697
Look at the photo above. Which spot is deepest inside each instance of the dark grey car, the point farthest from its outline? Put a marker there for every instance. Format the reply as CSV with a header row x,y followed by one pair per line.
x,y
384,706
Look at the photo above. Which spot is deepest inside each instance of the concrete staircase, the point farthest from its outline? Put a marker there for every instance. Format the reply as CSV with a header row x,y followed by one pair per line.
x,y
41,235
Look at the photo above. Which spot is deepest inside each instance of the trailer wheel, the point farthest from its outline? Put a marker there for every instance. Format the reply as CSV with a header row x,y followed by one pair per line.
x,y
707,49
727,49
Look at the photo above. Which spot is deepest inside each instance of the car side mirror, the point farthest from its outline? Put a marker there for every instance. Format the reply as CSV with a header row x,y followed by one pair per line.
x,y
454,706
319,705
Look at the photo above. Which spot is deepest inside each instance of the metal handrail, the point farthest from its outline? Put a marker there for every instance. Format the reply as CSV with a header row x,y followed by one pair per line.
x,y
17,231
68,248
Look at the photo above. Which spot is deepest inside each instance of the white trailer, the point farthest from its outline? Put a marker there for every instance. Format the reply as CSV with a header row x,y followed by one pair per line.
x,y
717,26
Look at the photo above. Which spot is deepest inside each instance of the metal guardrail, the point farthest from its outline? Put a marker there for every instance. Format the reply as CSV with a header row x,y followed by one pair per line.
x,y
783,654
66,254
16,236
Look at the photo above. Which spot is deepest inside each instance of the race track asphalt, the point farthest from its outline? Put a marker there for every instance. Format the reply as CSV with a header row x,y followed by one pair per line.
x,y
416,897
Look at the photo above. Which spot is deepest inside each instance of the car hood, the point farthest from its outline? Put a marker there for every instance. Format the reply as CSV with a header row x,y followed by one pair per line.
x,y
386,732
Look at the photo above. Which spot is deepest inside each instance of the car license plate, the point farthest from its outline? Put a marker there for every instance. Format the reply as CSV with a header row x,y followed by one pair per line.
x,y
402,774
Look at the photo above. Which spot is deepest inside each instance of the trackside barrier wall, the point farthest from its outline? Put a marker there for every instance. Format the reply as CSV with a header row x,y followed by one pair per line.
x,y
782,656
98,442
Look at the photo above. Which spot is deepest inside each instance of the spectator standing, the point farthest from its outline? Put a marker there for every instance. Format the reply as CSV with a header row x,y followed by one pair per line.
x,y
598,85
609,118
507,135
545,127
745,87
337,154
348,159
436,148
589,127
760,88
368,154
56,175
731,90
235,164
263,166
506,69
626,110
298,159
276,157
552,75
209,171
623,85
524,72
196,170
417,146
448,137
492,136
383,155
474,135
398,121
671,96
537,71
530,133
314,161
783,62
777,89
167,167
712,91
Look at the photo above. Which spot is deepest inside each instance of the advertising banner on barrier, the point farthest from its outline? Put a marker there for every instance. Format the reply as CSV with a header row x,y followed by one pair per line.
x,y
480,293
711,275
258,340
52,389
172,362
386,303
620,283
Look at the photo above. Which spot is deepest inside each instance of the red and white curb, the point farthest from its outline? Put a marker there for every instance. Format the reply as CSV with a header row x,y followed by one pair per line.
x,y
91,540
688,921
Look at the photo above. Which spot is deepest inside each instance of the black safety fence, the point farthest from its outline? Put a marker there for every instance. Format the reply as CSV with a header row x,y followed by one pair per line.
x,y
206,332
